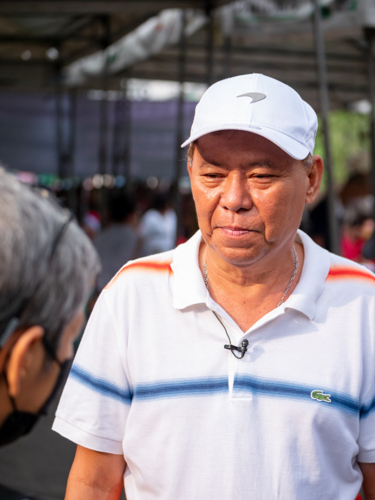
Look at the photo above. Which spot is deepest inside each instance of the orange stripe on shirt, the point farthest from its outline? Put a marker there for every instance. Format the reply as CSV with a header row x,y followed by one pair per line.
x,y
349,273
145,266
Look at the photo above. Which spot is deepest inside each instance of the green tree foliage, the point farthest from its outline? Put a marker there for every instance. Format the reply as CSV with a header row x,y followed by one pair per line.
x,y
350,143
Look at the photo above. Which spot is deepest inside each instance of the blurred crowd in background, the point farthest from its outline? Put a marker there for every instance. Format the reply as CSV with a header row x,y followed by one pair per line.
x,y
145,218
354,207
127,224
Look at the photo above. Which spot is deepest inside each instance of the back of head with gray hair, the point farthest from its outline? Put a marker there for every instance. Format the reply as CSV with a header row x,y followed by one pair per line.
x,y
53,289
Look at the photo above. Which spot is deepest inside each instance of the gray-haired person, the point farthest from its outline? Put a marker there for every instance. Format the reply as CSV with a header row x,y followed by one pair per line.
x,y
47,268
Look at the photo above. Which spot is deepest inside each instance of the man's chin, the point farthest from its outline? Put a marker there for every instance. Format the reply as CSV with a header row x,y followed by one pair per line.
x,y
240,256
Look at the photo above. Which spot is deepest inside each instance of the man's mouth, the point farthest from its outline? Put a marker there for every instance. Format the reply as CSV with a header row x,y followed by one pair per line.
x,y
235,230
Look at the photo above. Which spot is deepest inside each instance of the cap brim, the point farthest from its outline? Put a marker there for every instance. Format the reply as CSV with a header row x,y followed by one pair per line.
x,y
292,147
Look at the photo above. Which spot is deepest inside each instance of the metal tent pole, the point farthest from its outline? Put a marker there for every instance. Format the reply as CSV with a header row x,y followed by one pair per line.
x,y
180,102
180,120
128,135
70,152
103,132
227,49
65,134
324,109
65,140
59,114
121,136
72,120
117,136
210,43
127,132
103,123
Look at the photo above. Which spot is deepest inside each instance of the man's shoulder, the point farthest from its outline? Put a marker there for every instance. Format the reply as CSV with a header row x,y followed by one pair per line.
x,y
335,270
157,265
345,272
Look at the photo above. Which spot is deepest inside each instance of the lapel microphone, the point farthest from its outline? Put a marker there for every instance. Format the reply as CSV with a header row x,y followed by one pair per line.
x,y
232,347
241,349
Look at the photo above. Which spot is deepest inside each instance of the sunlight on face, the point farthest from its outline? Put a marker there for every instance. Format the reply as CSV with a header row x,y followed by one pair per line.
x,y
249,194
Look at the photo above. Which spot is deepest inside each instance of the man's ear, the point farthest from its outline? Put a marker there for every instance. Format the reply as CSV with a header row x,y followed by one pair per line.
x,y
315,175
25,358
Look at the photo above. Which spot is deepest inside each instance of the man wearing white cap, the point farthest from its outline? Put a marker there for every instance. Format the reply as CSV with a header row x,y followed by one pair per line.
x,y
241,364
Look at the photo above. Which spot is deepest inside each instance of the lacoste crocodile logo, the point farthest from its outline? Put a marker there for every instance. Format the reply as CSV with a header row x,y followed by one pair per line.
x,y
319,396
255,96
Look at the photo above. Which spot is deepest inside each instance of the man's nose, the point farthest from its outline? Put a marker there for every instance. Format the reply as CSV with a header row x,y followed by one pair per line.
x,y
236,194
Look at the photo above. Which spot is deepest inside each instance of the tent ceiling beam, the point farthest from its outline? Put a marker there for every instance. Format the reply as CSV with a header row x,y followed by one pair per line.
x,y
42,7
76,24
96,42
198,53
47,39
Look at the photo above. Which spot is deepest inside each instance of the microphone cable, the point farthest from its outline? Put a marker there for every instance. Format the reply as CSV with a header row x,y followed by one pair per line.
x,y
233,348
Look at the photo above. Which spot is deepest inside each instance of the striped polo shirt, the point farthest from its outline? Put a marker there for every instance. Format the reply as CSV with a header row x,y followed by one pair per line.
x,y
152,381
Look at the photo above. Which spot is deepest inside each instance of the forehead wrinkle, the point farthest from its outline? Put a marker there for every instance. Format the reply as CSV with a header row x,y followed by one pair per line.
x,y
246,157
205,163
244,165
263,163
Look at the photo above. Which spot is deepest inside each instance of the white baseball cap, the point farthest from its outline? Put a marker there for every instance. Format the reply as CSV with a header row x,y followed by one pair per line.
x,y
261,105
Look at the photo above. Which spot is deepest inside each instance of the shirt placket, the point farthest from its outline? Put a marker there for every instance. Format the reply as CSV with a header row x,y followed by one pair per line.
x,y
236,366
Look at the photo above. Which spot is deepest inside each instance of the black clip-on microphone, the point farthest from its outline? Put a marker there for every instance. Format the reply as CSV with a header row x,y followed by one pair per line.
x,y
241,349
232,347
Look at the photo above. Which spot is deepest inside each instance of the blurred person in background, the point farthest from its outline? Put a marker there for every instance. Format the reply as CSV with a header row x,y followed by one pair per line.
x,y
91,223
47,270
356,188
318,224
118,243
158,227
357,228
92,220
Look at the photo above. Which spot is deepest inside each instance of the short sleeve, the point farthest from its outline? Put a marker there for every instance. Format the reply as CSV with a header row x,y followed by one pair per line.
x,y
96,400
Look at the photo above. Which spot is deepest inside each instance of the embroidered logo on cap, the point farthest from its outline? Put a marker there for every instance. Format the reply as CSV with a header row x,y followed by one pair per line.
x,y
255,96
319,396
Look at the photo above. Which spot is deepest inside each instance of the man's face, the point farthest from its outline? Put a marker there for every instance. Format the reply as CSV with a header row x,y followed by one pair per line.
x,y
249,194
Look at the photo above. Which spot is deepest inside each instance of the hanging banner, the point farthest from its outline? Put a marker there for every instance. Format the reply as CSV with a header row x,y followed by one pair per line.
x,y
148,39
290,15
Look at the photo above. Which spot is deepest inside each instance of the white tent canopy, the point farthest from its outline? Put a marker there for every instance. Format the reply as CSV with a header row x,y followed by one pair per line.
x,y
150,38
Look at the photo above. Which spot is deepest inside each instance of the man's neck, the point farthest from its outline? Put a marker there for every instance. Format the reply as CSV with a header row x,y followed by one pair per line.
x,y
247,293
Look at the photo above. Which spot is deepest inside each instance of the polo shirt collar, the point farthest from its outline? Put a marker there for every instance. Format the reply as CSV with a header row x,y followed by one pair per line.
x,y
314,273
189,289
188,284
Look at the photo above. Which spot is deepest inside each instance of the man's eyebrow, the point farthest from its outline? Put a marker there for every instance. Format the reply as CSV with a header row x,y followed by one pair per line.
x,y
205,163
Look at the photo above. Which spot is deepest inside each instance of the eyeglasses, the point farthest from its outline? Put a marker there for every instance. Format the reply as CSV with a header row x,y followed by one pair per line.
x,y
14,321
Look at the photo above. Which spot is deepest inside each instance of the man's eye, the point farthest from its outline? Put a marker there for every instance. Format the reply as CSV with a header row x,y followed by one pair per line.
x,y
263,176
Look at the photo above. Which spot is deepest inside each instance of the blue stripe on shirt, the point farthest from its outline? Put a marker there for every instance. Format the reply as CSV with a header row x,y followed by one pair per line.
x,y
218,385
367,409
101,386
181,388
273,388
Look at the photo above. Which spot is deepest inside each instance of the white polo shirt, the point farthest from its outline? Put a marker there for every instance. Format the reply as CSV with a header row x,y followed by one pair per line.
x,y
152,381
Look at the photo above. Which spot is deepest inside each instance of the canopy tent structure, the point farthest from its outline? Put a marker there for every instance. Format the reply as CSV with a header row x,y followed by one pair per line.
x,y
322,48
38,38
